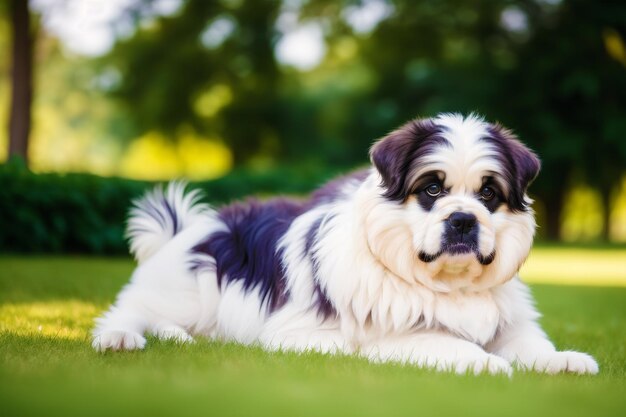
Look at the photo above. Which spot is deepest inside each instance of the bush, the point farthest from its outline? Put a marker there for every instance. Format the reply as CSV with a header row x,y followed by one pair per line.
x,y
81,213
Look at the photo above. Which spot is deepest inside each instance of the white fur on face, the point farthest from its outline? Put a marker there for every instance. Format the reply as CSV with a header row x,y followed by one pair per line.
x,y
464,162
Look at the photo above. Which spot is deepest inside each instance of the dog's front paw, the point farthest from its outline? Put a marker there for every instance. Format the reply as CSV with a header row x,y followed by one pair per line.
x,y
175,333
567,361
310,342
459,356
118,340
490,364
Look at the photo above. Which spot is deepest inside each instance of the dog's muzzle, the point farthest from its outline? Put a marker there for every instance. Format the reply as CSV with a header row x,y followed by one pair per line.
x,y
460,236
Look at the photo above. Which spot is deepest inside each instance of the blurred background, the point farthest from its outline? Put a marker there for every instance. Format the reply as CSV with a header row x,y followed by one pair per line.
x,y
101,98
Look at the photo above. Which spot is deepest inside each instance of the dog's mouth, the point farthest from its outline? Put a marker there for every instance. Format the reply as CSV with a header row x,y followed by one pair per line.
x,y
459,248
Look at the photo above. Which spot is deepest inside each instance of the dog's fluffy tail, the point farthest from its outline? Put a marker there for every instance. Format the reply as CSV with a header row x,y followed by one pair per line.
x,y
159,215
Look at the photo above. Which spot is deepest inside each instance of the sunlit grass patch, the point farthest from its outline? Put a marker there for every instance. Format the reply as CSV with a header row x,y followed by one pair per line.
x,y
576,266
64,319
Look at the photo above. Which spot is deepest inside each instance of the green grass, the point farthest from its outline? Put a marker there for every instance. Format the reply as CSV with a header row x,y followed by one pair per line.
x,y
47,366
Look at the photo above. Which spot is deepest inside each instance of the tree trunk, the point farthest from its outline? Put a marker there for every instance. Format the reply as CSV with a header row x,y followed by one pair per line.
x,y
605,193
21,73
554,208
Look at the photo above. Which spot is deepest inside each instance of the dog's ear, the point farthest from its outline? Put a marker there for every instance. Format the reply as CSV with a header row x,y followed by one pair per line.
x,y
521,165
527,164
394,155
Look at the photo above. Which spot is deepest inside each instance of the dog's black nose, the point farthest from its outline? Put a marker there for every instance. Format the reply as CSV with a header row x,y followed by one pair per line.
x,y
462,222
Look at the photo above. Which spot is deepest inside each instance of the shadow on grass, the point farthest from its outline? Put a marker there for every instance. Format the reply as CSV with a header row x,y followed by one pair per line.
x,y
50,278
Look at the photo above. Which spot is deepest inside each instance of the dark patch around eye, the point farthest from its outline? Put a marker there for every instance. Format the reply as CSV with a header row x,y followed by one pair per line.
x,y
396,154
425,200
519,165
497,200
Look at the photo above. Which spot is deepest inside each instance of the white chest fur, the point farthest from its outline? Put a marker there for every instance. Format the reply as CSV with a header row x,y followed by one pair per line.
x,y
474,316
391,305
372,298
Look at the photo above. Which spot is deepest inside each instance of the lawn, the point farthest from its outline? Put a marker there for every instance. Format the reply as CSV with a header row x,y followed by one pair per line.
x,y
47,366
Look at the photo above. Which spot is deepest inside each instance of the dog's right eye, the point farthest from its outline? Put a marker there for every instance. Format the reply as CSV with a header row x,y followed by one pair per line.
x,y
433,190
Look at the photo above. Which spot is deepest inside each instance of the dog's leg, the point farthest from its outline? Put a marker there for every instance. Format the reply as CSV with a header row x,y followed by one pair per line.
x,y
523,343
123,326
527,347
169,331
309,340
120,328
160,311
436,350
153,302
302,331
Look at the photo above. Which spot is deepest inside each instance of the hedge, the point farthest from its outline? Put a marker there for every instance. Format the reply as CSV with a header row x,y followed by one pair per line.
x,y
82,213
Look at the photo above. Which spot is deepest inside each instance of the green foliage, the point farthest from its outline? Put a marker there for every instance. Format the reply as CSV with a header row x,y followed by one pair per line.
x,y
166,67
83,213
47,366
557,79
57,213
555,75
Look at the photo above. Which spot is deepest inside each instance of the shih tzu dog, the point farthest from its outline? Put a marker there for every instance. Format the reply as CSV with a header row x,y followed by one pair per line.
x,y
414,260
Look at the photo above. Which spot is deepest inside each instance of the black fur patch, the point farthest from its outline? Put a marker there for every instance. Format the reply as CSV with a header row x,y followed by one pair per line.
x,y
394,155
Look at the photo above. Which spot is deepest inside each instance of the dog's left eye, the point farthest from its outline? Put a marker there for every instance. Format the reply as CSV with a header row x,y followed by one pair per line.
x,y
433,190
487,193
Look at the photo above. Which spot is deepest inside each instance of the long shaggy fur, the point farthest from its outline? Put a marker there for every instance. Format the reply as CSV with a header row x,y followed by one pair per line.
x,y
413,260
159,215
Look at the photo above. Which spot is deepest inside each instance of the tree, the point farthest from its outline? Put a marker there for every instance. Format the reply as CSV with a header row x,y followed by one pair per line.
x,y
552,71
21,73
566,99
554,76
167,67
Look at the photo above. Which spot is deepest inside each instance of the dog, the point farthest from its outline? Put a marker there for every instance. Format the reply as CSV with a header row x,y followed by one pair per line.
x,y
413,260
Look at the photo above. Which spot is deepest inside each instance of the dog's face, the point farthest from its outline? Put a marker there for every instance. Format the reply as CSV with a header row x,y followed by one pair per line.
x,y
453,211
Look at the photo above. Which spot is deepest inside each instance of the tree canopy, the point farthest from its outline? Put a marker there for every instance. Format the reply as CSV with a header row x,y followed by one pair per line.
x,y
552,70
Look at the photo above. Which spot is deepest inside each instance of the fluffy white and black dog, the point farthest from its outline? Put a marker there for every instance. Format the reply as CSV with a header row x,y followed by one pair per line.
x,y
414,260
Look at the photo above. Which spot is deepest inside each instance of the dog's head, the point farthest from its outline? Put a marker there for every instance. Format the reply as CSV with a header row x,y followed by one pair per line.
x,y
452,190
